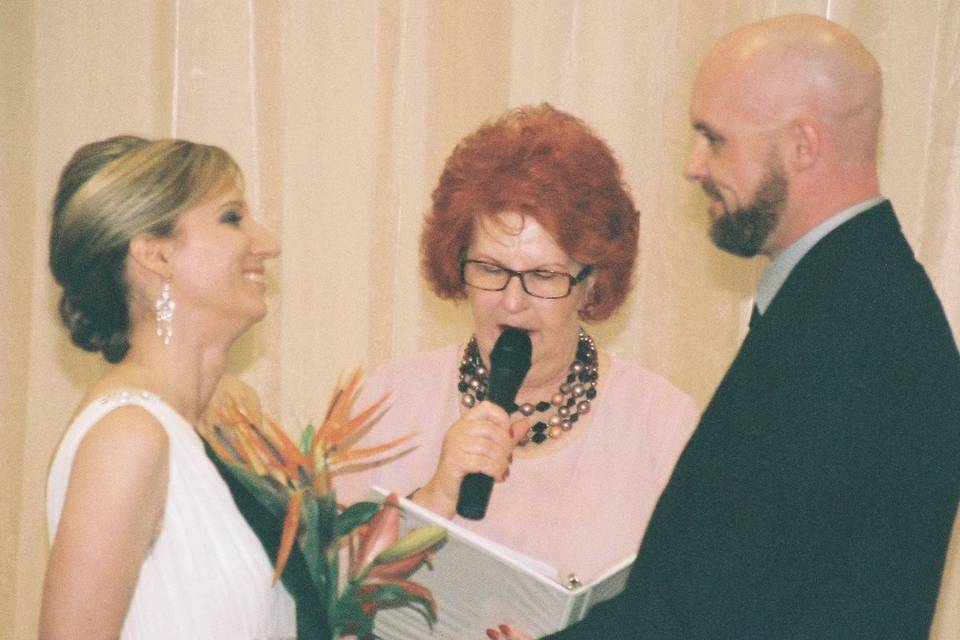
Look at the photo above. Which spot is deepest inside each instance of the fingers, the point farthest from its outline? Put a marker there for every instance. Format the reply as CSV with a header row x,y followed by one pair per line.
x,y
482,441
518,429
506,632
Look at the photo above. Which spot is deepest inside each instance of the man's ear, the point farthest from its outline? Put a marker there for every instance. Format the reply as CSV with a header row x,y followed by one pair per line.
x,y
803,143
152,253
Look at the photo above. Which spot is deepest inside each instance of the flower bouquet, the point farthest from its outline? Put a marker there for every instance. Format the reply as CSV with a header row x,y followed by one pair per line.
x,y
285,493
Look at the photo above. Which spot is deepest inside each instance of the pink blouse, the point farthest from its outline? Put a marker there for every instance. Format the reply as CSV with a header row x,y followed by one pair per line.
x,y
580,510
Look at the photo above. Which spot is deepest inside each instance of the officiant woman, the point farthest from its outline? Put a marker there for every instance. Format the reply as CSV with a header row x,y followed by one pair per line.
x,y
533,227
162,267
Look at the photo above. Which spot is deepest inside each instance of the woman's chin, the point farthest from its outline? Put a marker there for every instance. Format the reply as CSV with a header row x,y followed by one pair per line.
x,y
255,315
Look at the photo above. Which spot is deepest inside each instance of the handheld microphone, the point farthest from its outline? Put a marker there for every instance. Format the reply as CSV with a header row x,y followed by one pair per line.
x,y
509,363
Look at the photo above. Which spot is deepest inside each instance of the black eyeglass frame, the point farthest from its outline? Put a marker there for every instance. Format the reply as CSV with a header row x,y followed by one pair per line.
x,y
574,280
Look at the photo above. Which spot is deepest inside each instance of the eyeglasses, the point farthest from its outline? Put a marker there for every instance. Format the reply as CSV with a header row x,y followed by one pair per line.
x,y
539,283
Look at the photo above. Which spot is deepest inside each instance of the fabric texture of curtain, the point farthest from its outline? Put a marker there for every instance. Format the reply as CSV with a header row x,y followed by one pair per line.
x,y
341,115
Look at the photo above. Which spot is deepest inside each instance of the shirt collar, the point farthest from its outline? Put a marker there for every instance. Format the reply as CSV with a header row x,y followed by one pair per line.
x,y
780,267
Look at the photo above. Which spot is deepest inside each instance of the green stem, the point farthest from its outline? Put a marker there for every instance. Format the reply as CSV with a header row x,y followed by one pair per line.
x,y
333,579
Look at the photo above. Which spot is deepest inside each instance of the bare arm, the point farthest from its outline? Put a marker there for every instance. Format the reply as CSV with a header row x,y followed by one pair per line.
x,y
112,511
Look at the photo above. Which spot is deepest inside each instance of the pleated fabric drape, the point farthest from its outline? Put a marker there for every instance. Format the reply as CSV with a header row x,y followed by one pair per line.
x,y
341,115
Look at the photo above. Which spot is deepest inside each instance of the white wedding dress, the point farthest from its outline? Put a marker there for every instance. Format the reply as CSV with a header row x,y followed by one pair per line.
x,y
206,574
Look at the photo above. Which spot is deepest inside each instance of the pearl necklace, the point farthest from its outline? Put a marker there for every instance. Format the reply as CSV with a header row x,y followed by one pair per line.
x,y
571,401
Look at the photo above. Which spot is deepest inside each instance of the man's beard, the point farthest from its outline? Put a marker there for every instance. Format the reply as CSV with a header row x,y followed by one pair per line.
x,y
745,230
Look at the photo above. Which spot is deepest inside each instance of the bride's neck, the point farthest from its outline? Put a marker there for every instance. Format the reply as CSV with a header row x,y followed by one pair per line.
x,y
184,375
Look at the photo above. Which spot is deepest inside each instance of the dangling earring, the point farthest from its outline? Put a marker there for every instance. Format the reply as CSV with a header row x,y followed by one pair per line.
x,y
165,308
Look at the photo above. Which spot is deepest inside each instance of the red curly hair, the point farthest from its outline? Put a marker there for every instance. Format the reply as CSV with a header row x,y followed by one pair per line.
x,y
541,162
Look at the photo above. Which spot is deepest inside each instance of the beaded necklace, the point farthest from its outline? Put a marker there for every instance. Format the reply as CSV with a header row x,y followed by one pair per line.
x,y
570,402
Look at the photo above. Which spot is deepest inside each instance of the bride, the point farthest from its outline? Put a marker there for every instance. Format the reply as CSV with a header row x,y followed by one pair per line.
x,y
162,268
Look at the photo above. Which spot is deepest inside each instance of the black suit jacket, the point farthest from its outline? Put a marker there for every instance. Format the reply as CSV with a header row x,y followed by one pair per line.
x,y
816,496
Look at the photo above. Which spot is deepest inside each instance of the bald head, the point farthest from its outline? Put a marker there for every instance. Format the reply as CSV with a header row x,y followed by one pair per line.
x,y
802,65
786,113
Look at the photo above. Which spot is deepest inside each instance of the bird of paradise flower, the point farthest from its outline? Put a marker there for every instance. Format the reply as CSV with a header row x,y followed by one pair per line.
x,y
273,479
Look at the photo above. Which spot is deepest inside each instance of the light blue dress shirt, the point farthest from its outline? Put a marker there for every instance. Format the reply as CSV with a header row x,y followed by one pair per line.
x,y
780,267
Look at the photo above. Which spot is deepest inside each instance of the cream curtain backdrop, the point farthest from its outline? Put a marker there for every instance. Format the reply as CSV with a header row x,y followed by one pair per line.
x,y
341,114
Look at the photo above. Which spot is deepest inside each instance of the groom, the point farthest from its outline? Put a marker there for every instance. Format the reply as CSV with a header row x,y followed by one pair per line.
x,y
816,497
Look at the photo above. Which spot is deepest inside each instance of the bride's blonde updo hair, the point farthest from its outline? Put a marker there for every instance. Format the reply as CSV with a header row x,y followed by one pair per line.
x,y
109,192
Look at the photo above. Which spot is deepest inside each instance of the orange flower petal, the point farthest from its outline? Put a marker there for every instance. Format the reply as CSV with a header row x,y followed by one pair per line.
x,y
341,431
291,526
352,454
253,459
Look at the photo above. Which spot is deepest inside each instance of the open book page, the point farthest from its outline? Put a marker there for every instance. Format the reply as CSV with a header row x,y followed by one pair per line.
x,y
478,583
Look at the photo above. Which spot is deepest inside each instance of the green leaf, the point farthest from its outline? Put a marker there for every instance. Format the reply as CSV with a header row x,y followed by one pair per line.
x,y
319,514
264,489
349,615
313,543
355,515
394,595
306,439
327,522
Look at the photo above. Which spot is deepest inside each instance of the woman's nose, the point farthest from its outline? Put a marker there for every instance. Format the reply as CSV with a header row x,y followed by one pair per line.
x,y
264,242
514,296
